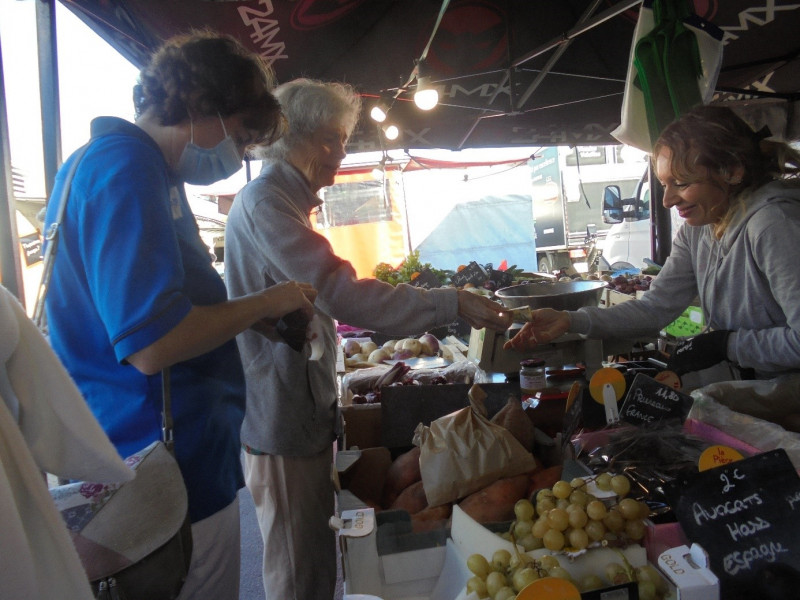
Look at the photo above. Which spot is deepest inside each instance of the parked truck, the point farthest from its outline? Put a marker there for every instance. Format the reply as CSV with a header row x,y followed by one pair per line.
x,y
628,242
541,213
567,187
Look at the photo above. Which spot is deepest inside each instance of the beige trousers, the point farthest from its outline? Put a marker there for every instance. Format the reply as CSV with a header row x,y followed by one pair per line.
x,y
294,499
216,549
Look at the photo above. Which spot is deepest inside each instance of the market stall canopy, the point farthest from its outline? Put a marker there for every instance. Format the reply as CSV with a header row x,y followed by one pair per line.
x,y
508,72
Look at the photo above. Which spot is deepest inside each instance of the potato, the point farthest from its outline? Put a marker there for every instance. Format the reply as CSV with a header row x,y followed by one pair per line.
x,y
368,347
351,347
412,345
378,356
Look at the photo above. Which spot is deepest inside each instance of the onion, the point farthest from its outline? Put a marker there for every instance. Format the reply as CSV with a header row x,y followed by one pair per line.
x,y
368,347
430,345
413,345
379,355
402,355
351,347
389,345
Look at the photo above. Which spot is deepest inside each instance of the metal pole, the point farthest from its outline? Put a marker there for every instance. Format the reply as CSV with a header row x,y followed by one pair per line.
x,y
48,85
10,265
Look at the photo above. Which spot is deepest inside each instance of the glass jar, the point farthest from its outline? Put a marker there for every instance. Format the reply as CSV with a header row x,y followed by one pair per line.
x,y
532,376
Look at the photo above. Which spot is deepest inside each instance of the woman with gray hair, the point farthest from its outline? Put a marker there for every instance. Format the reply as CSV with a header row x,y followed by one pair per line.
x,y
292,419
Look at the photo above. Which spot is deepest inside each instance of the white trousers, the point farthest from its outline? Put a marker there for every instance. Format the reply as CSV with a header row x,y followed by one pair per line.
x,y
216,550
294,500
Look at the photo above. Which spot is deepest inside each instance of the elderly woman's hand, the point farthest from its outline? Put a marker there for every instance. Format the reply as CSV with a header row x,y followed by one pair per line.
x,y
546,324
481,312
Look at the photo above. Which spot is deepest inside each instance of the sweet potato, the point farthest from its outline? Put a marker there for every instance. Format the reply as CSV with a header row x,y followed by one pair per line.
x,y
495,502
543,478
431,518
403,471
412,499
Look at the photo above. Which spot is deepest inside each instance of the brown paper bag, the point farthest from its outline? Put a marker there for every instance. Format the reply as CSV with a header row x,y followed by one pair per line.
x,y
463,452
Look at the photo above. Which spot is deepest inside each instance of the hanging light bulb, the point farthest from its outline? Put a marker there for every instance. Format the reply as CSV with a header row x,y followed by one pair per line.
x,y
390,131
379,112
426,96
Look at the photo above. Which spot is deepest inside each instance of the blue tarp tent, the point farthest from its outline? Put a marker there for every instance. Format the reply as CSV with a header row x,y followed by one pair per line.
x,y
489,230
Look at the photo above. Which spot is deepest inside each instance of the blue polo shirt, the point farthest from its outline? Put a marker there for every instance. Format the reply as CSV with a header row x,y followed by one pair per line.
x,y
129,266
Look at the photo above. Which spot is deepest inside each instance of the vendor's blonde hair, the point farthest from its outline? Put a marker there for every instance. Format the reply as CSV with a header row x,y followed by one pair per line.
x,y
713,142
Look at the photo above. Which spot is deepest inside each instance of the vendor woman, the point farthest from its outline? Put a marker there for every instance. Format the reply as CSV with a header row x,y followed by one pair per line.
x,y
739,194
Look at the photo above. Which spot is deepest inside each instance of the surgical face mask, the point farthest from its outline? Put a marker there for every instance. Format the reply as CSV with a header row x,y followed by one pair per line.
x,y
202,166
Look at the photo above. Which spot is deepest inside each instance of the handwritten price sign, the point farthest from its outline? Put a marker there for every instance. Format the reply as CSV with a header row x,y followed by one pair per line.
x,y
648,402
745,515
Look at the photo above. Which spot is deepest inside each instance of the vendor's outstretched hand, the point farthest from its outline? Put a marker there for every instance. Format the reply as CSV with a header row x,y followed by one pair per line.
x,y
546,325
481,312
700,352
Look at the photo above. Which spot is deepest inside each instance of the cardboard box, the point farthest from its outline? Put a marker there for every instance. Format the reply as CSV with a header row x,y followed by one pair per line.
x,y
687,569
403,575
436,572
381,554
391,423
613,297
362,425
471,537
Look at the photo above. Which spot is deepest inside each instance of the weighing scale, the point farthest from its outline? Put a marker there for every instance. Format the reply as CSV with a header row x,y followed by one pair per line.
x,y
486,349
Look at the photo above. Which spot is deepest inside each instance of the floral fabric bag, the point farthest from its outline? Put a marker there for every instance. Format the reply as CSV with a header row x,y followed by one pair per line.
x,y
134,538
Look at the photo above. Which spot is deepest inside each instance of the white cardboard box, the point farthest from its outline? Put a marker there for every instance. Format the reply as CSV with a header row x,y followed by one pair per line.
x,y
410,575
470,536
438,573
687,568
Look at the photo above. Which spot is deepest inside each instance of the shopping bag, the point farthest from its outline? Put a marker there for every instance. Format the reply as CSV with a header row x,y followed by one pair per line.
x,y
674,64
464,452
133,537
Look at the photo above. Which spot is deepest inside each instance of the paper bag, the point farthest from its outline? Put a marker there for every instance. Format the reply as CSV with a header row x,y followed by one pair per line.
x,y
463,452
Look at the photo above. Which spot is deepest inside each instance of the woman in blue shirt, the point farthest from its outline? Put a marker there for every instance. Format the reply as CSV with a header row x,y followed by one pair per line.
x,y
134,291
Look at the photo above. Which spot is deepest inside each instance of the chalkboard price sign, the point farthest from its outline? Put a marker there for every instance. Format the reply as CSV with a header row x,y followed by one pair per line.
x,y
648,402
501,278
473,273
746,515
426,280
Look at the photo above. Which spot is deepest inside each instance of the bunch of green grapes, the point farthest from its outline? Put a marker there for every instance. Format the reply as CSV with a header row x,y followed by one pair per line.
x,y
566,517
507,573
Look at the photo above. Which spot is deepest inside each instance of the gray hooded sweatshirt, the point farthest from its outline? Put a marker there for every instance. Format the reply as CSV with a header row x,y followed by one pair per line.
x,y
748,282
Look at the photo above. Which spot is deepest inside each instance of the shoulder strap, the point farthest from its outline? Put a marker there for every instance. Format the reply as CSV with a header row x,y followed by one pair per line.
x,y
51,235
166,415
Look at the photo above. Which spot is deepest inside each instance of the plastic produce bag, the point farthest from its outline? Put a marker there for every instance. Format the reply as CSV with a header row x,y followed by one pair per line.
x,y
674,63
755,412
463,452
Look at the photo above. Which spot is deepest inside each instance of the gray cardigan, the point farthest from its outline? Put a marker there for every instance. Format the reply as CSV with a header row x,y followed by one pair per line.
x,y
291,401
748,282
